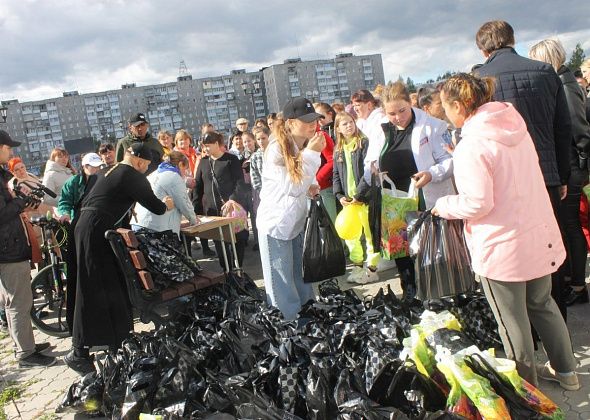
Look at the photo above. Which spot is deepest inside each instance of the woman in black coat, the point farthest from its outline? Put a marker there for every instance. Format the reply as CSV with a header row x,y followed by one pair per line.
x,y
102,312
219,187
551,51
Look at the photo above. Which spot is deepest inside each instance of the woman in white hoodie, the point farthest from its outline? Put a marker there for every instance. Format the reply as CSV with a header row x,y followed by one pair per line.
x,y
291,161
57,171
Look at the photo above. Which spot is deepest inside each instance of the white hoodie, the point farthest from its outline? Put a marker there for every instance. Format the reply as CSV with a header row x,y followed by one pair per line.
x,y
54,178
283,204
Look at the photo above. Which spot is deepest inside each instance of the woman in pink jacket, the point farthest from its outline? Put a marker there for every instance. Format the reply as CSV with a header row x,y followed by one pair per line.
x,y
510,227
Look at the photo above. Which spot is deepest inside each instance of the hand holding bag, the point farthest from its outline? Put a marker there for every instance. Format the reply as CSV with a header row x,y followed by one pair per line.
x,y
323,253
442,261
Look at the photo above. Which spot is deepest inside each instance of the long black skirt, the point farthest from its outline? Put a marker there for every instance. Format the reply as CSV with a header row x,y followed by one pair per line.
x,y
102,313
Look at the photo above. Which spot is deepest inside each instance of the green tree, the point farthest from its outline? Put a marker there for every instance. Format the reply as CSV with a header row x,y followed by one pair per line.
x,y
410,85
577,58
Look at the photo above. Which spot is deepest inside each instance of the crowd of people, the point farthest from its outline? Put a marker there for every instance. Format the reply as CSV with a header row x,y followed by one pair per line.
x,y
503,148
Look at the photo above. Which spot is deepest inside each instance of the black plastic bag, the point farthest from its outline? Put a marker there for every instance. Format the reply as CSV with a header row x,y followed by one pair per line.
x,y
442,261
163,252
84,396
478,321
475,315
411,392
452,340
374,198
323,253
320,402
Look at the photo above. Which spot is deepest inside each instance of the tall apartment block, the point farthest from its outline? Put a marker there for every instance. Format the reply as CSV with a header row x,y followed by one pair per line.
x,y
79,122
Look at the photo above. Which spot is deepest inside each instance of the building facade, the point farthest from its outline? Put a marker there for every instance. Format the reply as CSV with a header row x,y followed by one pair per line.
x,y
90,119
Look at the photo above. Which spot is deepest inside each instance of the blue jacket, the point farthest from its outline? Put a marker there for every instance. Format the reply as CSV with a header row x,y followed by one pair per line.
x,y
166,183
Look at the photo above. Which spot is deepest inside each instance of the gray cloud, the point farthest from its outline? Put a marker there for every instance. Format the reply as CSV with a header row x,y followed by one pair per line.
x,y
50,47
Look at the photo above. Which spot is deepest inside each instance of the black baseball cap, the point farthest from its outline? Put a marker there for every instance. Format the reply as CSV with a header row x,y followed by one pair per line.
x,y
302,109
141,151
137,119
7,140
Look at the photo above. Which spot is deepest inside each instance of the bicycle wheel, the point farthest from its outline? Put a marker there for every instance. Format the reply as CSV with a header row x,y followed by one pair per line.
x,y
48,313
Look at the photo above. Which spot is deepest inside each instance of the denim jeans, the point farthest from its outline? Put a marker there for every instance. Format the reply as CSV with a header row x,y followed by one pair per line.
x,y
282,268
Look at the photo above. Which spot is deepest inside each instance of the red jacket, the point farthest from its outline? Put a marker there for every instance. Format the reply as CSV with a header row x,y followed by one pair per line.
x,y
324,174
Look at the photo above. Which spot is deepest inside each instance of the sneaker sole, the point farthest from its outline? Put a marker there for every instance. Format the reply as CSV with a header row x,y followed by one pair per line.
x,y
33,365
561,384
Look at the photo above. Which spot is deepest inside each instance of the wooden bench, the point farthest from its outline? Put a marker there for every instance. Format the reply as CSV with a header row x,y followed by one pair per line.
x,y
140,286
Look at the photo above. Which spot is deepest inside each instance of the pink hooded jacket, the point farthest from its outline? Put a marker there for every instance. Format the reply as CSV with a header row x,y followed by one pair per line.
x,y
510,227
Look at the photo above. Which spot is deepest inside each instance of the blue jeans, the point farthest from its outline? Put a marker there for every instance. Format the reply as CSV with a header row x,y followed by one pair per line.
x,y
282,268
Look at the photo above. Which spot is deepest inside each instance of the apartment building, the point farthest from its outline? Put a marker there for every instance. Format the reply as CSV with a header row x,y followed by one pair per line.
x,y
79,122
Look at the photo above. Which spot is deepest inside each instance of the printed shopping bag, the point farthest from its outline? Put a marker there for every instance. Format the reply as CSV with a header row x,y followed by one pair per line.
x,y
394,206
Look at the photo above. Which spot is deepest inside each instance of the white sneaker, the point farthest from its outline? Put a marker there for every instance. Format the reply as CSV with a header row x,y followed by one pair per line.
x,y
368,277
355,274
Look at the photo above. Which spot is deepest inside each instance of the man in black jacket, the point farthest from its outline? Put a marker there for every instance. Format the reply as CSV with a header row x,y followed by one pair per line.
x,y
15,269
537,93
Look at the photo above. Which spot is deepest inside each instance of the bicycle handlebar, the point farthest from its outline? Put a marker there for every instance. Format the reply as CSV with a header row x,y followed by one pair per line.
x,y
42,221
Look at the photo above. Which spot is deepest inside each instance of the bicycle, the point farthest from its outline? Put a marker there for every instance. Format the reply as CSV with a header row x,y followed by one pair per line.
x,y
48,313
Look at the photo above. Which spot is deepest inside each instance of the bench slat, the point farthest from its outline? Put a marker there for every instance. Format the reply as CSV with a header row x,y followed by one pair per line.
x,y
138,259
146,280
129,237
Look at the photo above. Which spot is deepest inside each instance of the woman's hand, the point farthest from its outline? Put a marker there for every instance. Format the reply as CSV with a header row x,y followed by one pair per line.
x,y
228,207
313,190
422,178
317,142
348,201
169,202
190,182
450,148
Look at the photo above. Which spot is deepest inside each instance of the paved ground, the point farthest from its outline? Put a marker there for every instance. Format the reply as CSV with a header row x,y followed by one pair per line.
x,y
45,388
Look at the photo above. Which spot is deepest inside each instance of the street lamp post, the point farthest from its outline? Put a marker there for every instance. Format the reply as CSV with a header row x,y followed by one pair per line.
x,y
251,91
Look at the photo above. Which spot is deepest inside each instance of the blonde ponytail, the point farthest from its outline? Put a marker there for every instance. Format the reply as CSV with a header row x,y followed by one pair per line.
x,y
291,156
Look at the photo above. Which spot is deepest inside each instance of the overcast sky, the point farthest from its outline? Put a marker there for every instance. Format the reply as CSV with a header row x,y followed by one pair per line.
x,y
51,46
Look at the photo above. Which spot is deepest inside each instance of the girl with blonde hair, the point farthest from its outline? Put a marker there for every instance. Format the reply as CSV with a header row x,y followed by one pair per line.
x,y
291,161
351,189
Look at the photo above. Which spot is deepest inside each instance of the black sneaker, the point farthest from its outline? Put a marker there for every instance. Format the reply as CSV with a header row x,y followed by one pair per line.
x,y
39,347
81,365
36,360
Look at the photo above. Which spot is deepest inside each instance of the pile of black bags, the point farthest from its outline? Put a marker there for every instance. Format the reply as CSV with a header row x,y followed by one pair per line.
x,y
230,356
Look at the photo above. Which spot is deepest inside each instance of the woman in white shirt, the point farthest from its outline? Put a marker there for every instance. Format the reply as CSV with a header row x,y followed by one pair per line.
x,y
291,161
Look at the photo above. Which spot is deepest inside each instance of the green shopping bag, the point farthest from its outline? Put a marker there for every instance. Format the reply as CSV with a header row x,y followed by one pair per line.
x,y
394,206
